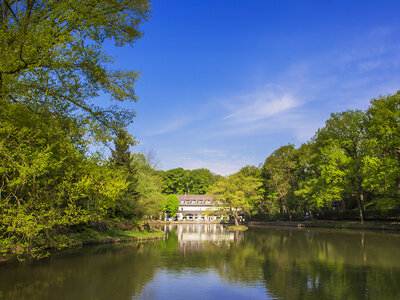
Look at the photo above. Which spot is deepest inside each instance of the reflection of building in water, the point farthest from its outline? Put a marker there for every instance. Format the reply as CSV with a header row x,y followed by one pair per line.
x,y
196,236
197,208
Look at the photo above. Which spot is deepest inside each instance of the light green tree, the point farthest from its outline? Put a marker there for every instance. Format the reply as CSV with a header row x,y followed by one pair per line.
x,y
172,205
343,137
51,56
382,165
234,194
148,189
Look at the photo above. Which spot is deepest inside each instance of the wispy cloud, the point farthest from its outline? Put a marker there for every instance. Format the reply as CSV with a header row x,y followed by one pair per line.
x,y
168,126
262,106
211,152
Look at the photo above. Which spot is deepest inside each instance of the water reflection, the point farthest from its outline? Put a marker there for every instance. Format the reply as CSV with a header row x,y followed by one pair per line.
x,y
206,261
200,236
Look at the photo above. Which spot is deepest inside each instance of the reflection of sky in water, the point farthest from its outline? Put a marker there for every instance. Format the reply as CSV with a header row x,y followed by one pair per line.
x,y
205,285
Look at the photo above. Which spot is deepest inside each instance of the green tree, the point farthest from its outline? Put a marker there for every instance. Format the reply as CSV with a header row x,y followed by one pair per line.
x,y
320,176
52,57
251,171
46,181
382,165
235,194
343,143
150,200
200,181
172,205
175,181
180,181
52,67
121,160
258,206
279,178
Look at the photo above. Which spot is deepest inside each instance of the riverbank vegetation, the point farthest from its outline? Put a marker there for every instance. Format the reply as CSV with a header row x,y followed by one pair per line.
x,y
66,166
52,179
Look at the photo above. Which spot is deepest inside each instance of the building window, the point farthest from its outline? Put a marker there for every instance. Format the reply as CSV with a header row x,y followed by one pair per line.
x,y
193,201
201,202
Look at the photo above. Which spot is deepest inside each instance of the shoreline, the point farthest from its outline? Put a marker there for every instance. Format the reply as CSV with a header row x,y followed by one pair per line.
x,y
354,225
94,237
333,224
91,237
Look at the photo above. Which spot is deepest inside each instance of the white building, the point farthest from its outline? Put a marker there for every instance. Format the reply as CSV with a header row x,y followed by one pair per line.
x,y
197,208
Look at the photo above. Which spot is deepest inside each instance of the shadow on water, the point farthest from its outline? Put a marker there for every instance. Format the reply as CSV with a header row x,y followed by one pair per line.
x,y
206,261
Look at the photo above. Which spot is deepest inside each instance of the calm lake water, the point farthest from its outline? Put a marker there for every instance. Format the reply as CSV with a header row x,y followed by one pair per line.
x,y
205,261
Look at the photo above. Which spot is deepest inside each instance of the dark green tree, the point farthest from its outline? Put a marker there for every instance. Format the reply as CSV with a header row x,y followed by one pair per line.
x,y
180,181
121,160
279,178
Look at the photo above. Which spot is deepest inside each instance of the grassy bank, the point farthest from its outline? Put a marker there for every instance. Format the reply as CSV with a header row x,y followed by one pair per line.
x,y
103,233
370,225
91,236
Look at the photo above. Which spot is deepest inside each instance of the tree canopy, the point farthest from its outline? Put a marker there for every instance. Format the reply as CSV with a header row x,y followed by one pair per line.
x,y
172,205
52,68
180,181
52,57
235,194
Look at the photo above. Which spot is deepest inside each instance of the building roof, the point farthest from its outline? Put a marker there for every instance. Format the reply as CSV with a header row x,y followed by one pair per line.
x,y
193,212
195,197
195,200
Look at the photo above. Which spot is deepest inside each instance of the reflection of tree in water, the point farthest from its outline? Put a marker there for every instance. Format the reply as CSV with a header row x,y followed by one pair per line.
x,y
324,265
103,272
298,264
292,264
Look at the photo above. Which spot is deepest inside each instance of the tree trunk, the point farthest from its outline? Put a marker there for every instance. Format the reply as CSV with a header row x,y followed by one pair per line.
x,y
236,221
398,179
398,186
361,205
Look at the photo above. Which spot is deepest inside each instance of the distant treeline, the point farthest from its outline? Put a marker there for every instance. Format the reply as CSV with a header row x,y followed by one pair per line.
x,y
180,181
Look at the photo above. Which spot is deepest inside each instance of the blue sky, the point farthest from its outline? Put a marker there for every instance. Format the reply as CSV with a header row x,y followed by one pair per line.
x,y
225,83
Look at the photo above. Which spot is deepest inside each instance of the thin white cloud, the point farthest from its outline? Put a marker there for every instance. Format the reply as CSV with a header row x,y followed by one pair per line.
x,y
167,127
263,104
263,108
